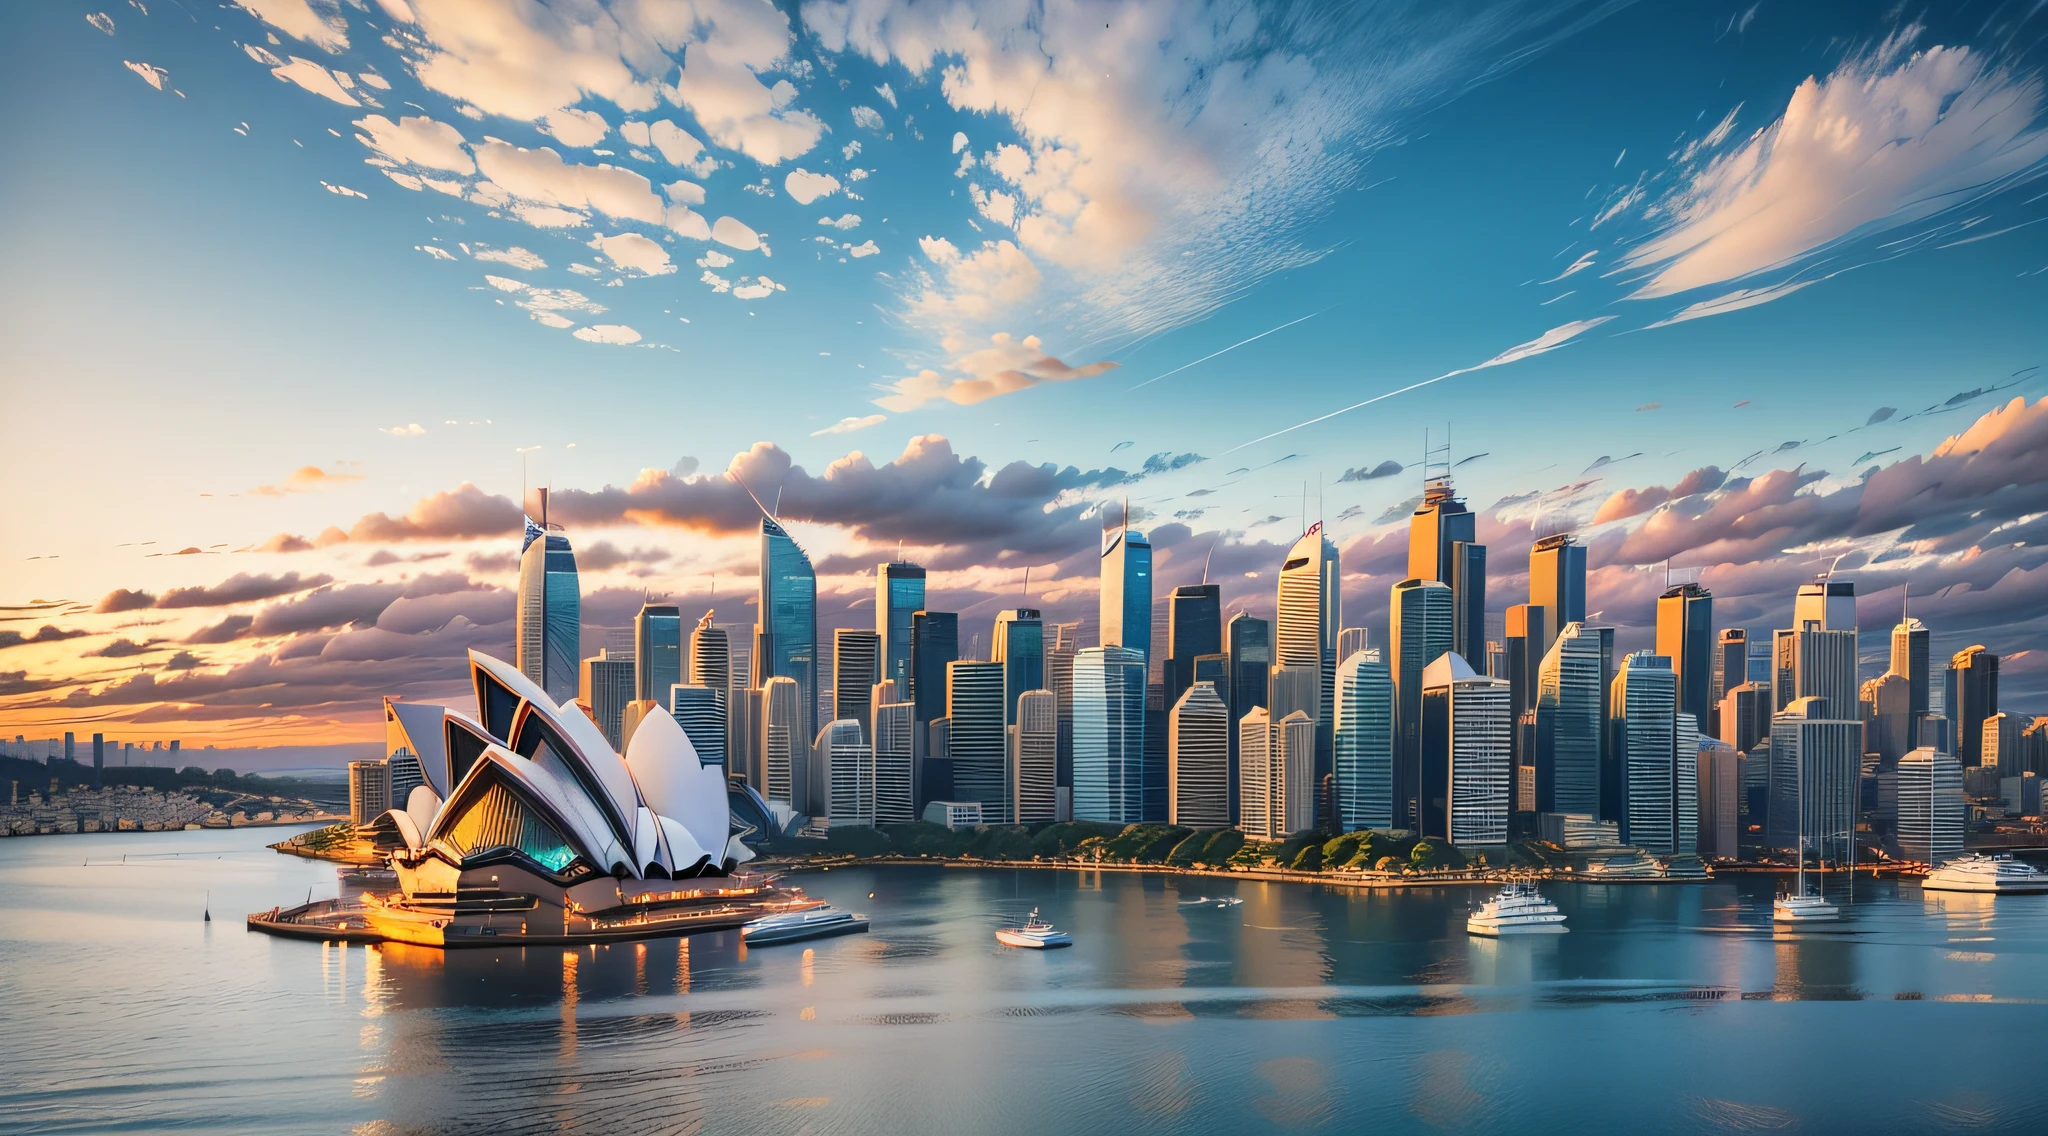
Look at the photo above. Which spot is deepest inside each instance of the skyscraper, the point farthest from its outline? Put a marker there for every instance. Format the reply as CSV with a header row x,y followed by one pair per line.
x,y
1350,641
1019,644
1829,602
1305,623
788,632
657,651
1251,664
605,686
934,644
899,594
855,661
1127,592
1931,806
1197,757
1910,658
1887,718
842,762
1524,634
1814,776
1364,742
895,749
1440,521
1720,790
1973,675
1557,581
978,749
1194,627
1466,784
1033,757
1658,747
1731,665
2001,742
783,749
548,623
1259,807
1419,618
1571,716
710,666
1824,666
1685,635
1109,735
1468,594
1059,678
1293,688
1294,742
700,711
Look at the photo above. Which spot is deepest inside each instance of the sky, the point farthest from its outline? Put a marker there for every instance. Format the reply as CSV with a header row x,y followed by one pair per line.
x,y
303,299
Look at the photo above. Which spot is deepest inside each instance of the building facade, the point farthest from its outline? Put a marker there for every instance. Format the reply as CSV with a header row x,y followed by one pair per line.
x,y
1198,759
1109,735
1364,742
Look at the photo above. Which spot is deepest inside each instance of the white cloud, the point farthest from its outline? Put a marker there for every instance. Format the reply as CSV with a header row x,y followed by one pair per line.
x,y
515,256
316,79
405,180
999,207
579,128
712,258
807,187
843,221
684,192
261,56
549,216
417,141
372,79
436,252
959,141
888,94
540,176
409,430
152,75
762,286
1005,366
546,300
586,270
681,149
297,18
867,118
718,283
550,319
1886,139
607,333
850,149
849,424
974,288
102,21
865,248
1732,302
733,233
345,191
635,133
634,252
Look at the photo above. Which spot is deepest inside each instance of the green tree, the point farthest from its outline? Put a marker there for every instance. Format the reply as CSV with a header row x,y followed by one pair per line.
x,y
1427,854
1309,859
1370,849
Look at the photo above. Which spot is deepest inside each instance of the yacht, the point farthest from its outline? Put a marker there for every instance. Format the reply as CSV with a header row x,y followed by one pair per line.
x,y
1036,934
1518,909
796,926
1978,872
1803,908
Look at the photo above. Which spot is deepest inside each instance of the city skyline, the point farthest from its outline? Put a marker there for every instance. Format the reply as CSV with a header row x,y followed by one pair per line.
x,y
335,548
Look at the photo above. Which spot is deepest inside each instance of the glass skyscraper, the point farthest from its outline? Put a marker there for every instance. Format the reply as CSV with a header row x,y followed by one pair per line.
x,y
1364,742
1571,714
1307,616
1194,627
657,652
899,594
1109,735
548,622
788,631
1020,646
1420,617
1685,635
1127,593
1250,683
977,744
1557,581
934,642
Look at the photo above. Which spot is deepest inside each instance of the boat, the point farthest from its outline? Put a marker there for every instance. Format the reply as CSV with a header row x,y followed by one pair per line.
x,y
1803,906
1036,934
1977,872
1517,909
797,926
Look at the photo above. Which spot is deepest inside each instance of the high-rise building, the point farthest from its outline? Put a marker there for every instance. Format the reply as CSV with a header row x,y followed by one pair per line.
x,y
1466,785
1294,742
784,751
1194,627
710,666
1293,688
548,623
658,657
856,662
1746,717
1364,742
1059,678
605,686
1824,666
1524,633
1419,617
1973,679
1659,750
895,751
1571,717
841,758
787,635
1931,806
977,744
2001,734
369,791
1440,521
1557,582
1887,705
1350,641
1305,625
1910,658
1260,810
1720,790
1033,740
700,711
1815,780
1731,666
1784,668
1109,735
1685,635
1829,602
1251,666
1019,644
1468,595
899,595
934,645
2033,744
99,757
1197,758
1127,592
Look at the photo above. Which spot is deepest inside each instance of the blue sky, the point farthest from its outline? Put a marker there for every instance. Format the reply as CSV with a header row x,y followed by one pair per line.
x,y
1063,202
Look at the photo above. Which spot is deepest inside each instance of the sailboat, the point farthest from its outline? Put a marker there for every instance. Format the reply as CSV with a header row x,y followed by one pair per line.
x,y
1802,906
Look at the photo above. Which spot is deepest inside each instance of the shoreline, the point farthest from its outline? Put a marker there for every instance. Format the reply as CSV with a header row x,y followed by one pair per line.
x,y
317,821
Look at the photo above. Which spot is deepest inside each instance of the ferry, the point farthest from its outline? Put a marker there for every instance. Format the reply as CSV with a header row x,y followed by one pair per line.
x,y
1978,872
797,926
1517,909
1036,934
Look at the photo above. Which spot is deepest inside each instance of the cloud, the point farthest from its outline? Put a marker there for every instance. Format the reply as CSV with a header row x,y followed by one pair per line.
x,y
47,634
417,141
1881,414
849,424
300,20
865,248
580,129
681,149
182,661
733,233
1003,367
1168,463
515,256
122,599
409,430
304,479
463,513
153,75
124,649
317,79
971,288
1731,302
541,177
1887,138
1373,473
635,253
604,555
760,287
807,187
607,333
867,118
240,588
843,221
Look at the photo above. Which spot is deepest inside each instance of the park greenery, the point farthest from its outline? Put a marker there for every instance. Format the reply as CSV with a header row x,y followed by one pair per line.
x,y
1137,844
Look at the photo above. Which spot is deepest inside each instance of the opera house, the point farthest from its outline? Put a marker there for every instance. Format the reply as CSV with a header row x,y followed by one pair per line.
x,y
527,827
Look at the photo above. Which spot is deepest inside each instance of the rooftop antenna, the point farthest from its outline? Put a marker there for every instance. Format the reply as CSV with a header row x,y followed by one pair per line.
x,y
1210,556
1026,602
899,550
778,499
734,474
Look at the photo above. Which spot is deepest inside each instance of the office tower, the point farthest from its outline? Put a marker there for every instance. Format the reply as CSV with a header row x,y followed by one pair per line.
x,y
1019,645
1350,641
1814,780
1258,786
1746,717
844,773
1910,658
1973,677
899,595
604,687
1466,784
1731,666
783,749
1194,627
1363,746
548,623
1467,579
1571,717
1824,666
1419,620
895,751
658,661
1829,602
1720,791
787,634
1033,758
1293,688
1251,674
1305,625
1784,669
856,661
1557,583
1658,748
1198,758
709,665
1440,521
2034,746
1109,735
1887,703
1059,678
369,791
2001,734
1685,635
1931,806
1156,729
1215,670
1294,747
934,645
1524,634
99,757
976,745
700,711
636,711
1127,592
935,779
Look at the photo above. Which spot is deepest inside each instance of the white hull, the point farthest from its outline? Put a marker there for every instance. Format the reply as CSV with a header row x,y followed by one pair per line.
x,y
1998,887
1997,875
1493,930
1811,911
1033,942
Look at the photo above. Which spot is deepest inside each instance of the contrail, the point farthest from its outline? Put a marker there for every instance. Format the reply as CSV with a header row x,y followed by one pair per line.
x,y
1232,347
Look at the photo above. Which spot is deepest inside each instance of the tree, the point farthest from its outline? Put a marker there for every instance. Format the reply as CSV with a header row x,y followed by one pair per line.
x,y
1369,851
1339,851
1386,864
1309,859
1427,854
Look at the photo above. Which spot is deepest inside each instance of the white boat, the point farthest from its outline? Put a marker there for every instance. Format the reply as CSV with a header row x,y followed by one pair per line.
x,y
796,926
1803,908
1978,872
1517,909
1036,934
